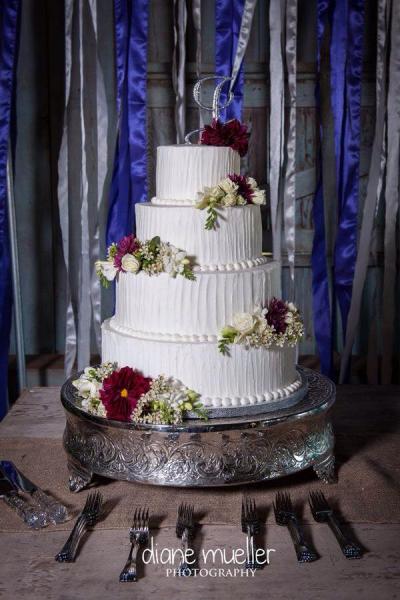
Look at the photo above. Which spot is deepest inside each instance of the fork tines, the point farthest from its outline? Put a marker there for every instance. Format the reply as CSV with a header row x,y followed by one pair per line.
x,y
140,521
250,520
185,519
283,508
319,506
92,509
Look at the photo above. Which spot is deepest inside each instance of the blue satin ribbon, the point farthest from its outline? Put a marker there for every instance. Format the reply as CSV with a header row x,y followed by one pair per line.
x,y
320,279
228,18
347,25
346,70
129,180
9,35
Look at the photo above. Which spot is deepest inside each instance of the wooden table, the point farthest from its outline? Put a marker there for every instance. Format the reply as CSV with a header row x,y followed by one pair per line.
x,y
28,569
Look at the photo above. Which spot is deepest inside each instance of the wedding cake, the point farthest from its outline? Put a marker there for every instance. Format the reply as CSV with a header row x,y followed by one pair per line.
x,y
205,328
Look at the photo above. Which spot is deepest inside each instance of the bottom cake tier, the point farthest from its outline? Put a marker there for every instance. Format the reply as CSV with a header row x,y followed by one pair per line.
x,y
245,377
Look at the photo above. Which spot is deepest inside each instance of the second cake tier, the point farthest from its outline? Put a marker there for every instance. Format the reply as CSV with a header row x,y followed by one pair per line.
x,y
163,307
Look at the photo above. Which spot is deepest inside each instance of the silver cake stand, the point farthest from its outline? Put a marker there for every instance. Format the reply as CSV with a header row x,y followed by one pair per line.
x,y
217,452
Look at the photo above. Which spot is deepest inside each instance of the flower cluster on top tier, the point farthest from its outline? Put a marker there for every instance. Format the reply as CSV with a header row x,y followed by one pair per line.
x,y
278,324
153,257
126,395
232,134
235,190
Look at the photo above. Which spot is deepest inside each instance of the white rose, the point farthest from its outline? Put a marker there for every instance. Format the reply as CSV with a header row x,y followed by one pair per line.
x,y
244,323
229,200
106,268
87,388
241,201
292,307
252,183
130,263
228,186
258,197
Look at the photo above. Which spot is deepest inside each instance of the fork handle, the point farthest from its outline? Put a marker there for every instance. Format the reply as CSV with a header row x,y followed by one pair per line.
x,y
68,551
185,569
129,572
57,512
304,551
349,548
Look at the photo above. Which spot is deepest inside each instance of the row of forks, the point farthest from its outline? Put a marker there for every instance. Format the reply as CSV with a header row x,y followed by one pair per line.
x,y
285,515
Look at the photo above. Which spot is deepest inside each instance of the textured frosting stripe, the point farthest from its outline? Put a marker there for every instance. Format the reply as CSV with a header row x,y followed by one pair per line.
x,y
183,171
237,239
248,376
161,305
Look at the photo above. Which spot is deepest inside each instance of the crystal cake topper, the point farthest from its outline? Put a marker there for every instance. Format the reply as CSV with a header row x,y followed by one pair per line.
x,y
216,102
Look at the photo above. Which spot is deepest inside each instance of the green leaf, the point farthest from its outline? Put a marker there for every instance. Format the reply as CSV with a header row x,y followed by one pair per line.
x,y
154,243
211,220
103,280
223,346
188,273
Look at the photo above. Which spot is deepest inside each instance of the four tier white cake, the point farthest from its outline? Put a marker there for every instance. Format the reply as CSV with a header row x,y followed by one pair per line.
x,y
165,325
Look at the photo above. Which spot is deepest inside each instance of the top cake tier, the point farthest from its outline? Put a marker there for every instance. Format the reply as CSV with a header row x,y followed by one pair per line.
x,y
185,170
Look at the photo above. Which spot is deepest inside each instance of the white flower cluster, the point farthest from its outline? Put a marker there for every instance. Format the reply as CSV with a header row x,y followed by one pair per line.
x,y
153,257
89,385
227,193
253,330
166,402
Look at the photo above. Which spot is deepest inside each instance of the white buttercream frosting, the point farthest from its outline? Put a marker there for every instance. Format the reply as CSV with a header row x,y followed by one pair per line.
x,y
184,170
247,376
176,306
236,242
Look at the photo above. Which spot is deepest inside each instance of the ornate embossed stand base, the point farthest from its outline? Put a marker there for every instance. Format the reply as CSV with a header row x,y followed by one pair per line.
x,y
218,452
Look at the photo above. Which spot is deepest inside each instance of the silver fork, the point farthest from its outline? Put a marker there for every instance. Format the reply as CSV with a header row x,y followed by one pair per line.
x,y
138,536
285,515
323,513
185,531
251,527
88,517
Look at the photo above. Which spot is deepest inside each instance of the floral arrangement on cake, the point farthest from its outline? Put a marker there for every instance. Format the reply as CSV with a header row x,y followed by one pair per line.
x,y
234,190
278,324
126,395
233,134
153,257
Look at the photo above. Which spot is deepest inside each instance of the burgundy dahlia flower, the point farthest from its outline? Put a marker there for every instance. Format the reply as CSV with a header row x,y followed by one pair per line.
x,y
121,391
233,134
276,315
127,245
244,188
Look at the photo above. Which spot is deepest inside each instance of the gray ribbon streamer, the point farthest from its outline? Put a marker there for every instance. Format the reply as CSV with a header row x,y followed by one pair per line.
x,y
244,35
82,169
289,194
277,120
178,68
70,329
84,304
99,189
374,184
196,13
391,197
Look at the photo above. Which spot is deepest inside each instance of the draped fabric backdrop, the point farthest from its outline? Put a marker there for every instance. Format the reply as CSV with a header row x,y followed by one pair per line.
x,y
312,156
129,182
9,34
81,177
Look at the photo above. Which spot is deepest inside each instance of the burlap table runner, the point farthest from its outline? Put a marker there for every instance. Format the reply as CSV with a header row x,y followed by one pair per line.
x,y
367,489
